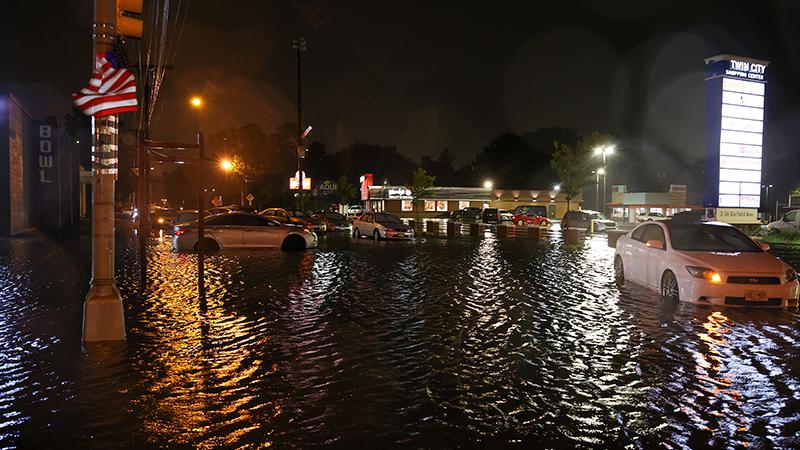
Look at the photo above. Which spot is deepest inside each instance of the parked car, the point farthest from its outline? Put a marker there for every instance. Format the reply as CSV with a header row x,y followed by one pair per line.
x,y
469,213
530,220
584,218
650,216
354,210
444,215
531,210
704,263
333,221
294,217
163,218
381,226
491,215
242,230
185,216
789,223
505,216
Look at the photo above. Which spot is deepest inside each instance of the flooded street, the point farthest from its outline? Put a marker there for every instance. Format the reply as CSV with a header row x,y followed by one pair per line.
x,y
439,342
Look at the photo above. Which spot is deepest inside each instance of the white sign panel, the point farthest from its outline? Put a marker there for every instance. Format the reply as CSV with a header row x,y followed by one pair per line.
x,y
741,140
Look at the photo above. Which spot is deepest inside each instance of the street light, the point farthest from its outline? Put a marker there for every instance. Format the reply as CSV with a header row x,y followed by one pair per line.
x,y
226,165
603,150
488,184
557,187
196,102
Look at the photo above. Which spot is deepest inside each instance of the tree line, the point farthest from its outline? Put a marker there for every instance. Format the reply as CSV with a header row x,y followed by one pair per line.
x,y
533,160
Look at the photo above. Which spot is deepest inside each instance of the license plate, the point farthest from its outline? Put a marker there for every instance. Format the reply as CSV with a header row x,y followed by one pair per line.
x,y
401,235
759,296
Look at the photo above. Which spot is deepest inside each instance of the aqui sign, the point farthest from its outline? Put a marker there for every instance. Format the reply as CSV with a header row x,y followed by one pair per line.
x,y
735,93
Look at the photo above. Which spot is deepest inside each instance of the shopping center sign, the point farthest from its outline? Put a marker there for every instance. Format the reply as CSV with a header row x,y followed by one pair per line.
x,y
735,92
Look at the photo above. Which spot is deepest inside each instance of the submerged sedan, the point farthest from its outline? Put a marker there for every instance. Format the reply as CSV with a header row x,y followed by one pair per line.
x,y
381,226
333,221
242,230
704,263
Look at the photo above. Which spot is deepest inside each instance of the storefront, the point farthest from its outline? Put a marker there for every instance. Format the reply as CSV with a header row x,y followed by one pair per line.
x,y
442,200
625,206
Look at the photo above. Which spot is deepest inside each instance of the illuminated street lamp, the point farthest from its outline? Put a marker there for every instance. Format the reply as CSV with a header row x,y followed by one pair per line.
x,y
196,102
488,184
557,187
604,150
226,165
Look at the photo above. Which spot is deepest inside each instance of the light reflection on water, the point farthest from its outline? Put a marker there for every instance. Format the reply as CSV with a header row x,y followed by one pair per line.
x,y
434,343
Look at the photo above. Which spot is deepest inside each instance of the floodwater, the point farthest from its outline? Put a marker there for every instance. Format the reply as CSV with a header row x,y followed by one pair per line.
x,y
438,343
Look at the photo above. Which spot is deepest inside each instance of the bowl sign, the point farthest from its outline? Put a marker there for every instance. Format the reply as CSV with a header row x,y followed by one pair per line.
x,y
327,186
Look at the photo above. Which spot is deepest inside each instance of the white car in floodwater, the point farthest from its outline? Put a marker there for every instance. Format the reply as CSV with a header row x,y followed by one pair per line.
x,y
381,225
241,230
704,263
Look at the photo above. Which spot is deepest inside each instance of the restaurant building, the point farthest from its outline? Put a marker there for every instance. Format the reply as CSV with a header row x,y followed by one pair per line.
x,y
626,205
440,200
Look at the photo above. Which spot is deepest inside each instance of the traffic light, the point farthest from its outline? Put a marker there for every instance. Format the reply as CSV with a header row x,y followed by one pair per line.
x,y
129,18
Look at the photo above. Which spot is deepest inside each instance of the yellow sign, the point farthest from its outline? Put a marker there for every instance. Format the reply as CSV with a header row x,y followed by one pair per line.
x,y
737,215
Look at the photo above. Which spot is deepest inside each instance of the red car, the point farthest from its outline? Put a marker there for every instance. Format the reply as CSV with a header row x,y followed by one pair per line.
x,y
530,220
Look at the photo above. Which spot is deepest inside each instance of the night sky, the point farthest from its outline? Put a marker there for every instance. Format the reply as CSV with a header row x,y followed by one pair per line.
x,y
425,77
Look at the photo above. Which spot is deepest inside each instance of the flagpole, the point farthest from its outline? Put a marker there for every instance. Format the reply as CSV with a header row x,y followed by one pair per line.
x,y
103,316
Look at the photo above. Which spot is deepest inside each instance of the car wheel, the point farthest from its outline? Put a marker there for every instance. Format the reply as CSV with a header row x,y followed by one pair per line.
x,y
376,235
669,287
520,223
293,242
356,234
209,246
619,271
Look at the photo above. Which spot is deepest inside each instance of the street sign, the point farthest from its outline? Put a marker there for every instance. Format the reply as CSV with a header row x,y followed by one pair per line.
x,y
250,199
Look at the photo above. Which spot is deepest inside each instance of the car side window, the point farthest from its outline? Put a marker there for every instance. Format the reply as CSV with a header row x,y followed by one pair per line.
x,y
790,216
251,221
221,221
367,218
654,233
637,234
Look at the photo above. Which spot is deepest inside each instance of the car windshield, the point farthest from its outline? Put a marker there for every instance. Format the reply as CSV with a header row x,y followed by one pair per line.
x,y
597,216
383,217
296,213
335,216
710,238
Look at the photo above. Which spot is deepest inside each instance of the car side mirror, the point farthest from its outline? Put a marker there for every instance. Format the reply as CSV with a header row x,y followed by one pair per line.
x,y
654,243
764,246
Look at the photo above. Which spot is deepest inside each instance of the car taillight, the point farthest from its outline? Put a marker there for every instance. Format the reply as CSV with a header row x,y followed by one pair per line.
x,y
180,232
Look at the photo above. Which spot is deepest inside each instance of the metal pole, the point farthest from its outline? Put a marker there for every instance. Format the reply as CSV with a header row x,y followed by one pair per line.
x,y
597,190
605,176
141,191
142,207
103,316
300,46
201,215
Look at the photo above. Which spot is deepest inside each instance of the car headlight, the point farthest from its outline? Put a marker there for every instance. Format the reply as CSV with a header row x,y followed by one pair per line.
x,y
791,275
704,272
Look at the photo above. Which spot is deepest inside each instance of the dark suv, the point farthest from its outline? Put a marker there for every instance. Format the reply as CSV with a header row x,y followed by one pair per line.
x,y
469,212
583,219
491,215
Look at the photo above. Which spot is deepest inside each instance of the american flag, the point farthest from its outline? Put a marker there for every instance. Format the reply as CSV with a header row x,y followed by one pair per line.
x,y
111,90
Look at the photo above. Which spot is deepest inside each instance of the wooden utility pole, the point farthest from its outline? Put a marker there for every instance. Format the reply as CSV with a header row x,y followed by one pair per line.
x,y
103,316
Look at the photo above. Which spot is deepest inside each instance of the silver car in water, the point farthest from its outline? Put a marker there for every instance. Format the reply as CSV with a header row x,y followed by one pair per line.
x,y
241,230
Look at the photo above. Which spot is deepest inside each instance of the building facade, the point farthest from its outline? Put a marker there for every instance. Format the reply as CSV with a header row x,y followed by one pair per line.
x,y
38,172
626,205
442,200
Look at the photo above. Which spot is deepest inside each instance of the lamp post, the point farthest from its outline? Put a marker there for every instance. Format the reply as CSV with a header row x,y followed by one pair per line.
x,y
228,166
766,202
299,45
603,151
